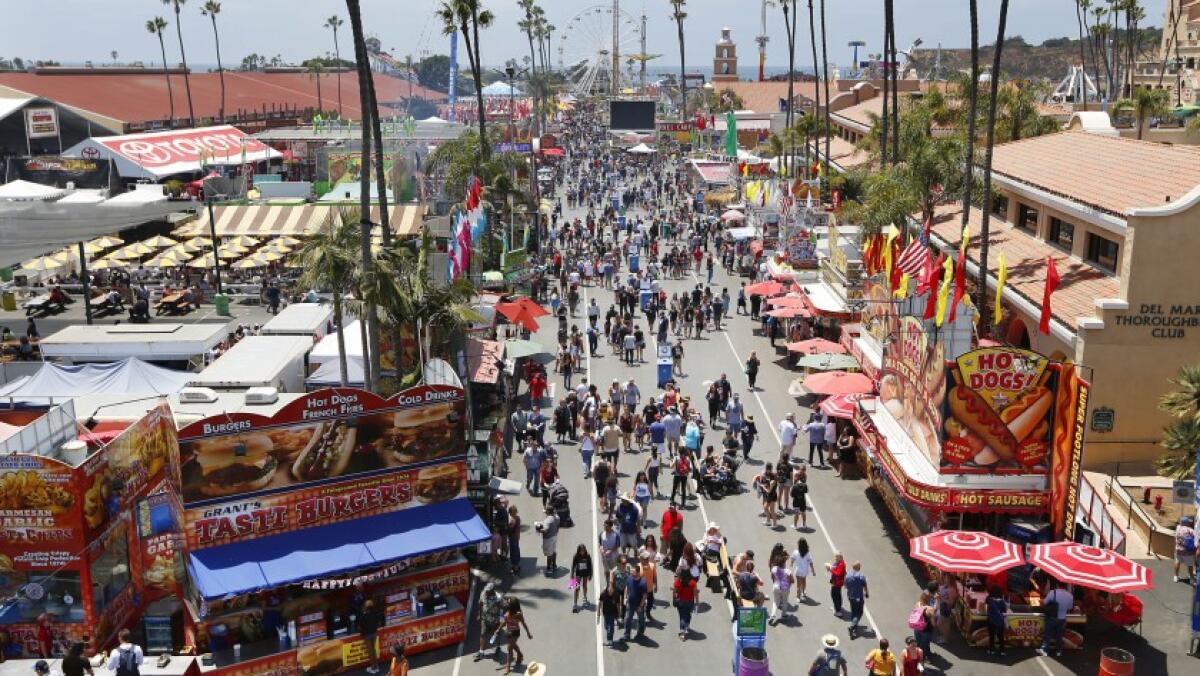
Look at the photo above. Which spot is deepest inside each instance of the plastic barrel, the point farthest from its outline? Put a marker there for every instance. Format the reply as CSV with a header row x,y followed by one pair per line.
x,y
753,662
1116,662
9,301
221,303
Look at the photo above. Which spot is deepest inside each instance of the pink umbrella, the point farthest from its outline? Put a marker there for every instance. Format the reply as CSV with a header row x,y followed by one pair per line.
x,y
816,346
838,382
841,405
1093,567
733,215
787,301
767,288
788,313
957,551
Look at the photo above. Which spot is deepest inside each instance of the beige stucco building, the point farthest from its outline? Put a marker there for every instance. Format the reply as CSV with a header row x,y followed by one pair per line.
x,y
1121,220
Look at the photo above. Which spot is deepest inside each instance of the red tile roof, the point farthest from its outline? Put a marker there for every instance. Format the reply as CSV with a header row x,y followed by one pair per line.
x,y
1025,256
1110,174
845,153
763,97
142,97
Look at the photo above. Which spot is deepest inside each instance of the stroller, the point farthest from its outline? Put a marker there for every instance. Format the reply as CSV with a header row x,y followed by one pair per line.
x,y
560,501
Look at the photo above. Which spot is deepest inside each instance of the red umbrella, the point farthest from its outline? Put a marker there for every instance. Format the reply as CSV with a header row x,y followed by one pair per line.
x,y
788,313
838,382
516,313
816,346
1093,567
767,288
786,301
841,405
552,152
532,307
958,551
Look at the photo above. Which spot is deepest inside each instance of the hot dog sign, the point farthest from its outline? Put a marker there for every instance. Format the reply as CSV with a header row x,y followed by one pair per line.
x,y
998,410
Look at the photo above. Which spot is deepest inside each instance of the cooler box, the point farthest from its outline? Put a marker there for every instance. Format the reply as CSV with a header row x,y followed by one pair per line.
x,y
664,374
221,303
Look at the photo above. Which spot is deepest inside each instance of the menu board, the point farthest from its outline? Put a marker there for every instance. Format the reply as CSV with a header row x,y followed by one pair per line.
x,y
913,386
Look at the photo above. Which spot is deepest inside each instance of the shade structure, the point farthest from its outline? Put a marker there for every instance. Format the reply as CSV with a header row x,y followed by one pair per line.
x,y
205,261
140,248
767,288
788,313
159,242
1092,567
92,248
518,314
828,362
269,256
516,349
286,241
841,405
186,248
163,262
786,301
249,263
838,382
816,346
733,215
200,241
228,254
106,242
124,255
41,264
243,240
526,304
234,246
277,247
108,264
959,551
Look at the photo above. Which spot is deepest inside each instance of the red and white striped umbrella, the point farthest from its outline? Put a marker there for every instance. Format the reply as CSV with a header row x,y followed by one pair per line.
x,y
1092,567
841,405
960,551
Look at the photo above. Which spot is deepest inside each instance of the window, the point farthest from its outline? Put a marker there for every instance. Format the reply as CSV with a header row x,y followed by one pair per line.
x,y
1027,218
1000,206
1062,233
110,569
58,593
1102,252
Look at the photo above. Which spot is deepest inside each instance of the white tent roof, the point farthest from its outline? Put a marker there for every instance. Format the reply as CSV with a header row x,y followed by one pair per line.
x,y
130,377
435,120
85,196
160,154
501,89
642,149
25,190
327,349
11,104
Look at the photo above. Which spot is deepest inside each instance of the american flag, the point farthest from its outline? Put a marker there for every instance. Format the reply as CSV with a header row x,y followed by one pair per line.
x,y
912,259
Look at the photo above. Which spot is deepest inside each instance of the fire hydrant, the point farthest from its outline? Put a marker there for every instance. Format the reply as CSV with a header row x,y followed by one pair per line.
x,y
1146,495
1158,500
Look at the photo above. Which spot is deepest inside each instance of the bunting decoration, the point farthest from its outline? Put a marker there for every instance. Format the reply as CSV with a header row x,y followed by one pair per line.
x,y
966,239
912,259
1052,280
944,291
960,282
927,281
892,234
902,291
931,283
1001,277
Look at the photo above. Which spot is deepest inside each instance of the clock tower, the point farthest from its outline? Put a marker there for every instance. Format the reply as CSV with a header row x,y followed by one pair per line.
x,y
725,58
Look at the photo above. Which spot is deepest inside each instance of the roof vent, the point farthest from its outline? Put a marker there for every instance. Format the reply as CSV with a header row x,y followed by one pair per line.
x,y
261,396
197,395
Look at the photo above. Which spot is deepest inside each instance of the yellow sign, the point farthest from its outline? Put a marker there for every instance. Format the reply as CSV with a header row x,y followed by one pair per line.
x,y
355,652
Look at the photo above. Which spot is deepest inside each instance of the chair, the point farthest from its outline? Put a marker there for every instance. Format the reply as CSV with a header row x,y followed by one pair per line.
x,y
1127,613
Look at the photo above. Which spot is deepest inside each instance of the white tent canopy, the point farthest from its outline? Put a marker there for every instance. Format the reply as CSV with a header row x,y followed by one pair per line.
x,y
129,376
27,191
641,149
434,120
501,89
156,155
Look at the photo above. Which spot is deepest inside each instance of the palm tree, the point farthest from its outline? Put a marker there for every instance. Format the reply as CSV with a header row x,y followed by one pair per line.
x,y
984,228
972,114
890,12
789,27
529,25
187,81
812,40
467,17
1019,117
678,14
1081,7
211,9
315,68
362,67
1144,103
333,23
156,26
825,78
328,261
1182,436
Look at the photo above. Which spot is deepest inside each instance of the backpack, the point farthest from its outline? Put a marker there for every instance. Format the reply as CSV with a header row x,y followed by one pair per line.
x,y
1050,608
829,665
1189,541
916,619
127,663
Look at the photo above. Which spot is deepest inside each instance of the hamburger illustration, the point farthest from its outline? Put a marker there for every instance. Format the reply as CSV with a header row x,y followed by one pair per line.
x,y
438,483
230,465
327,453
421,434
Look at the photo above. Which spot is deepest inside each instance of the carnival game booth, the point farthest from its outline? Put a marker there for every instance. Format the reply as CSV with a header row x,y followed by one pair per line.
x,y
991,442
88,538
295,521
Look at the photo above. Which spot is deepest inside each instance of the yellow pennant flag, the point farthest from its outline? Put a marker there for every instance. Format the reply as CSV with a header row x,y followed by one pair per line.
x,y
892,234
944,292
902,290
1001,277
966,238
745,170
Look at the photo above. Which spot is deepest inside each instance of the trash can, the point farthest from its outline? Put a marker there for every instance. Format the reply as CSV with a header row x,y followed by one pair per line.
x,y
221,302
644,299
6,274
634,263
1116,662
753,662
9,301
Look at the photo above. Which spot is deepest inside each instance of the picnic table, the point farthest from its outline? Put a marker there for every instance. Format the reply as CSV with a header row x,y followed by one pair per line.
x,y
42,304
172,303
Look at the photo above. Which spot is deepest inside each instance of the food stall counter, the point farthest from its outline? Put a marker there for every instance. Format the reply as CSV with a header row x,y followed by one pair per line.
x,y
1025,623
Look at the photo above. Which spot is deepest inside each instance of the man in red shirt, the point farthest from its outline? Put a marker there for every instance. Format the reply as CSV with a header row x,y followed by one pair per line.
x,y
670,519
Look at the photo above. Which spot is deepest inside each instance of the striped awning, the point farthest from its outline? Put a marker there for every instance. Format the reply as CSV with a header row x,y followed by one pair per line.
x,y
265,220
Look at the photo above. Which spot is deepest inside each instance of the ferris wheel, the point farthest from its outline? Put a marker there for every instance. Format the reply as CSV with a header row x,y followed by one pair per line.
x,y
586,45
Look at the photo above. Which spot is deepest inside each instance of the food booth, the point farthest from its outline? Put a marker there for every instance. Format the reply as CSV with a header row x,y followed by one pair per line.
x,y
990,441
75,549
293,522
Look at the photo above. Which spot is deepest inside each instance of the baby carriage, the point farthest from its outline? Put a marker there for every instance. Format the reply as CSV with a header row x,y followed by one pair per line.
x,y
560,501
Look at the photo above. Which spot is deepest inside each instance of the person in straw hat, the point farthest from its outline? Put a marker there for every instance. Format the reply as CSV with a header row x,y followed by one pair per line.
x,y
829,662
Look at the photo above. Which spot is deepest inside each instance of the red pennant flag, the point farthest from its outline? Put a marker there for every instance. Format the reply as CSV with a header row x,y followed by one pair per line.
x,y
960,282
894,281
867,253
925,231
1051,285
925,280
932,282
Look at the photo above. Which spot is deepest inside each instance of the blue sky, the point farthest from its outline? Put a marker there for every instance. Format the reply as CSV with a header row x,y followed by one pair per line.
x,y
79,30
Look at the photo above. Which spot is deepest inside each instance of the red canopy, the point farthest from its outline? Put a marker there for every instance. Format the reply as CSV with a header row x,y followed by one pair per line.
x,y
767,288
517,313
957,551
838,382
1093,567
816,346
787,301
553,152
788,313
531,306
841,405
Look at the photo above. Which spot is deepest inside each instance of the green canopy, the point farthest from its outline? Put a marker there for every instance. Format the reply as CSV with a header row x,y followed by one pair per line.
x,y
516,349
828,362
494,276
1185,111
730,134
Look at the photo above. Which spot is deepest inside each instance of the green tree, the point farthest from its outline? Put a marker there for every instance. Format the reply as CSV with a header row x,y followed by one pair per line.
x,y
187,81
315,69
434,72
156,26
1182,436
467,17
211,9
333,23
328,261
678,15
1019,117
724,101
1145,103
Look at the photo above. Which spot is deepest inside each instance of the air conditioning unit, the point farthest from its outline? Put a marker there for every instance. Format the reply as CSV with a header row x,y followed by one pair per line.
x,y
260,396
197,395
73,452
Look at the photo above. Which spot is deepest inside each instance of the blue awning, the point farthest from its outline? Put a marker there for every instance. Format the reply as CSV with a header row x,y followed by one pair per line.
x,y
335,548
